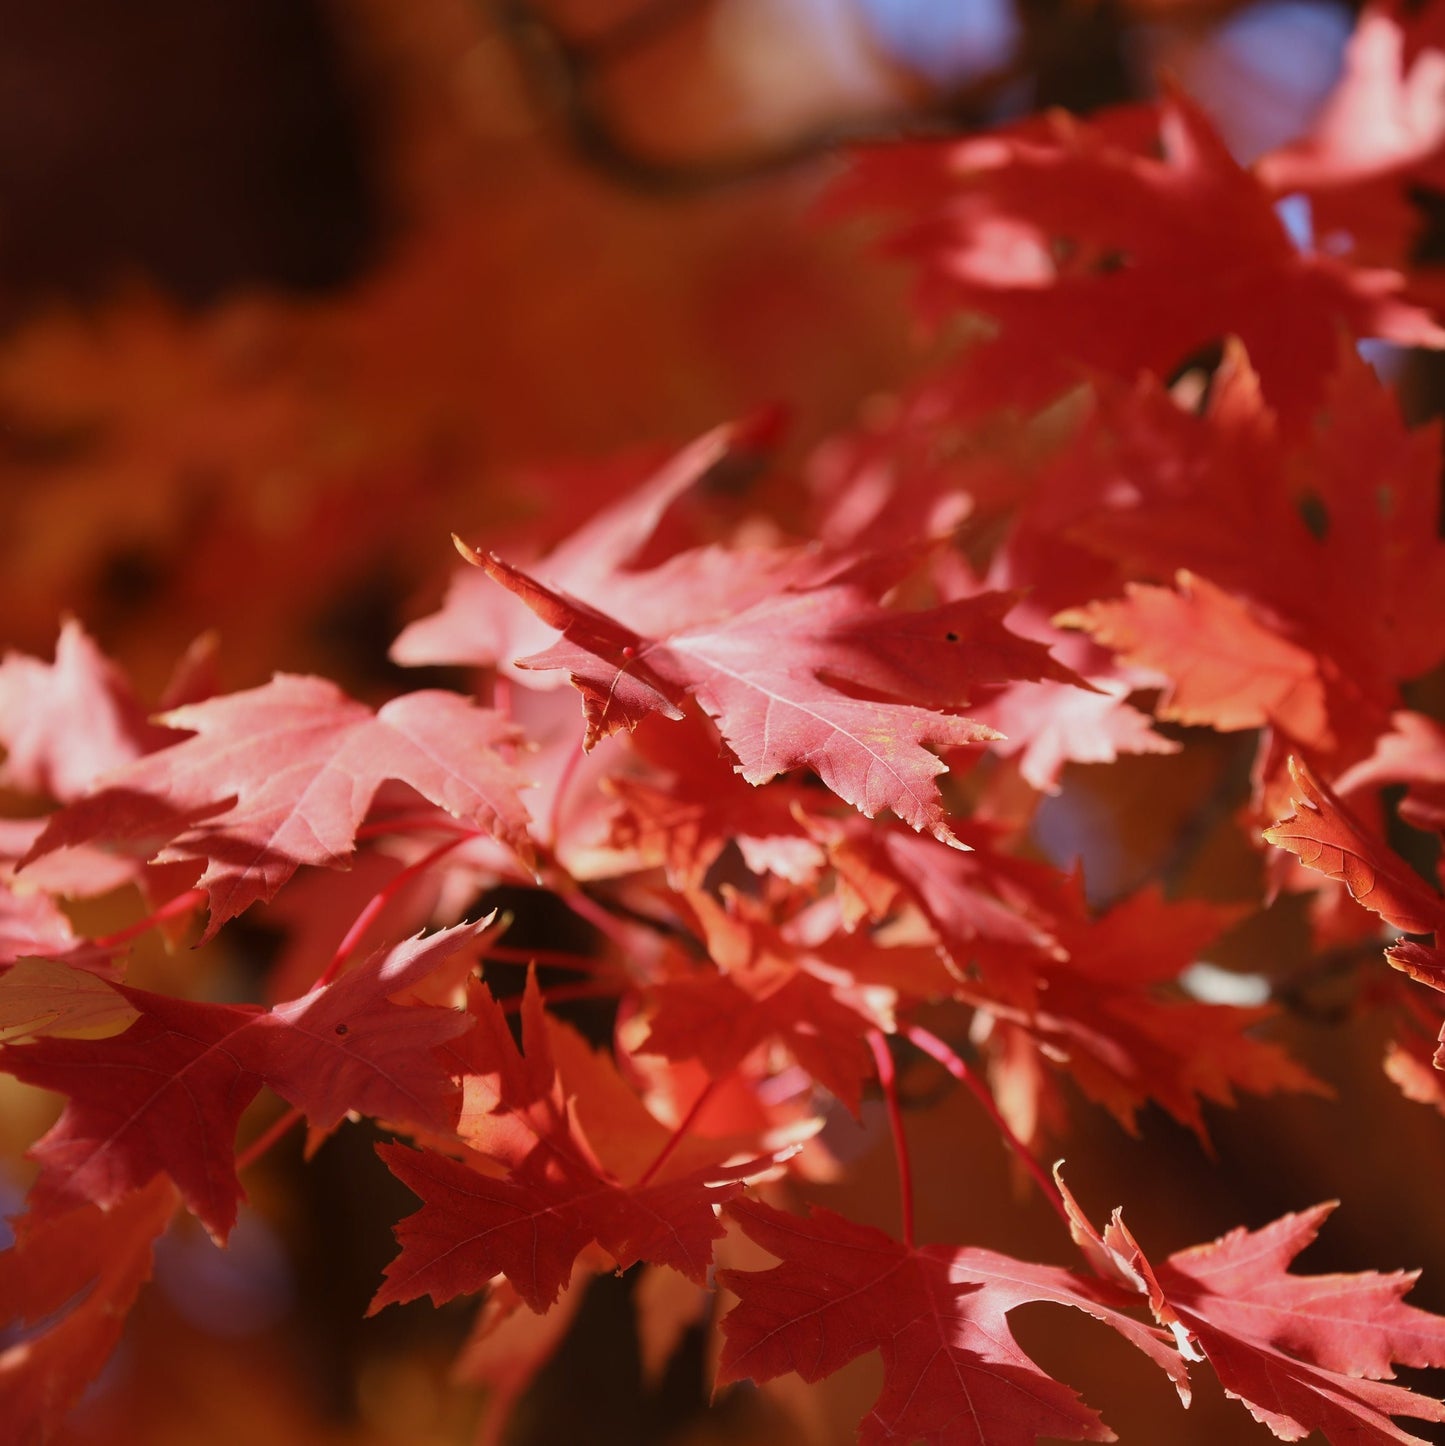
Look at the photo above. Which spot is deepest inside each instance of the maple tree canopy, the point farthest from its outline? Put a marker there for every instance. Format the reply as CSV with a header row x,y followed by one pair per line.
x,y
789,740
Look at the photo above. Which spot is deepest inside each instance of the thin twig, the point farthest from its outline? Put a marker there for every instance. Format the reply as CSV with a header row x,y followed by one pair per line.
x,y
173,908
680,1133
380,900
887,1078
935,1048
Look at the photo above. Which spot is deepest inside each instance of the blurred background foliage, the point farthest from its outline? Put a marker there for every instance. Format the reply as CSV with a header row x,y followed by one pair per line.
x,y
290,290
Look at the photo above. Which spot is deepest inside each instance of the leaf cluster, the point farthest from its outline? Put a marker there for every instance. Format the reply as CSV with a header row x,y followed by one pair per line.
x,y
796,806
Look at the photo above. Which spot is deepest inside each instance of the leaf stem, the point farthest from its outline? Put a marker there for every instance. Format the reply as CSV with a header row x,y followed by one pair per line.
x,y
563,993
380,900
681,1132
555,958
172,908
268,1137
502,696
564,781
887,1078
588,909
935,1048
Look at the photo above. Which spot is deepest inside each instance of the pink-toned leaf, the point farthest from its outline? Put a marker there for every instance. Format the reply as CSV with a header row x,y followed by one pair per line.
x,y
283,775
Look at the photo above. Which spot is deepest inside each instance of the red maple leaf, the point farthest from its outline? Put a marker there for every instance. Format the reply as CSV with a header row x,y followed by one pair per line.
x,y
72,1278
45,996
64,724
762,987
555,1195
1104,1012
167,1094
1303,1353
1303,573
282,775
1327,837
1378,139
953,1375
796,661
1228,669
1073,230
482,626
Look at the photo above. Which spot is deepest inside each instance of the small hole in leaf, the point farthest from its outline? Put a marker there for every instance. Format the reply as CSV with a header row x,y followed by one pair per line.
x,y
951,636
341,1029
1316,515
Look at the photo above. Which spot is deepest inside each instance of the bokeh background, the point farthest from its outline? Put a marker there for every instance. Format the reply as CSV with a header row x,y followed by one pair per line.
x,y
291,290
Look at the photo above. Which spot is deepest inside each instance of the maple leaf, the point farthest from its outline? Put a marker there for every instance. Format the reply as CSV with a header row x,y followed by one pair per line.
x,y
282,775
1308,567
168,1093
1228,670
1303,1353
1328,838
1073,230
1089,994
64,724
766,988
1103,1013
46,996
1412,752
31,924
953,1375
556,1198
74,1277
767,643
1379,137
1331,533
685,814
482,626
51,981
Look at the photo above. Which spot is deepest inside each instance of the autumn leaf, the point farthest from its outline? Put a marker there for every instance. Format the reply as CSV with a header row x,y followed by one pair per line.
x,y
282,775
1228,670
1295,1349
760,987
554,1197
482,626
1303,1353
48,997
952,1372
1275,579
1105,1014
66,1286
166,1095
65,724
798,664
1081,230
1328,838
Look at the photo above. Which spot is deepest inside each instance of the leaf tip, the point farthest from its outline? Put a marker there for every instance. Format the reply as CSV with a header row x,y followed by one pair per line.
x,y
467,551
